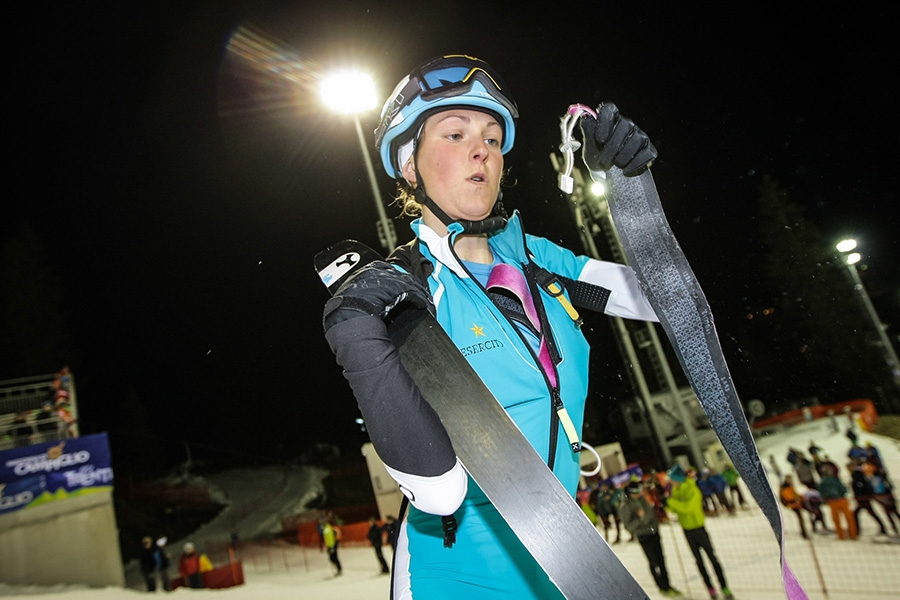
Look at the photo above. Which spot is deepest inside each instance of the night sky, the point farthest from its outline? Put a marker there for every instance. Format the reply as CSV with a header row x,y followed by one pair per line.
x,y
183,191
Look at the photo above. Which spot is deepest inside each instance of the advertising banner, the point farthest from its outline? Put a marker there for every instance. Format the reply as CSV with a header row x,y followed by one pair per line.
x,y
623,477
54,471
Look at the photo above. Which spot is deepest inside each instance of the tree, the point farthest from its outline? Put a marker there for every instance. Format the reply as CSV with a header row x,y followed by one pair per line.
x,y
818,334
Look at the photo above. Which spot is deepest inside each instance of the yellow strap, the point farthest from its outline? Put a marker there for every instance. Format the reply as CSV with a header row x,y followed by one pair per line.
x,y
569,428
556,291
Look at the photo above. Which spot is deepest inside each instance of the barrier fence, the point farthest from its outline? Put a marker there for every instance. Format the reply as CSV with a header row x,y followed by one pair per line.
x,y
826,566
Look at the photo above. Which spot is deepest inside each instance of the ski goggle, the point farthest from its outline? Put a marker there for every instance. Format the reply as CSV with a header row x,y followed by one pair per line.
x,y
447,77
456,79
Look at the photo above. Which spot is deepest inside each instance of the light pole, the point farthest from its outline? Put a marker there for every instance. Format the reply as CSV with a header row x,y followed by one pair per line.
x,y
850,258
590,210
351,93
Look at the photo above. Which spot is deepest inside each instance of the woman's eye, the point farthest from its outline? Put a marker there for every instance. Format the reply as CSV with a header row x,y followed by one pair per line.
x,y
492,142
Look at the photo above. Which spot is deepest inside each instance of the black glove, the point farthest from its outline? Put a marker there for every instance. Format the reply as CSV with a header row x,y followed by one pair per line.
x,y
375,290
611,139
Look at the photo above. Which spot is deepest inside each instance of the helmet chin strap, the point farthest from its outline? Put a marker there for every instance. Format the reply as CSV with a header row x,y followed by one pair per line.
x,y
495,222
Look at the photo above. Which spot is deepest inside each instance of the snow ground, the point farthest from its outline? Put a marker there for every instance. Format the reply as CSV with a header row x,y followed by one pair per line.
x,y
744,543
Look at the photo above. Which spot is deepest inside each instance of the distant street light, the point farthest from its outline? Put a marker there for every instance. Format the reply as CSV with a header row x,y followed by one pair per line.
x,y
851,259
351,93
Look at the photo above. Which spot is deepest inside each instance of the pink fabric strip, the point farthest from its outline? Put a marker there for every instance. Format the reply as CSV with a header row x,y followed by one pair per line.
x,y
510,278
792,587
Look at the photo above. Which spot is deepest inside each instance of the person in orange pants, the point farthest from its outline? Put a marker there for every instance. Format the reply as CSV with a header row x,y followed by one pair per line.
x,y
834,493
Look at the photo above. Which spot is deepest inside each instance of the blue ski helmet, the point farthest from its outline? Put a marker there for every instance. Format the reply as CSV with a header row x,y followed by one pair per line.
x,y
452,81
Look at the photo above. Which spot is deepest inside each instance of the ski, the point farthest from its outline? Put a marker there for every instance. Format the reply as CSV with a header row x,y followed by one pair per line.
x,y
527,494
684,313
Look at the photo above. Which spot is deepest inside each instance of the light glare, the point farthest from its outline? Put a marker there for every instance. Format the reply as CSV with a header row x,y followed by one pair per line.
x,y
846,245
349,92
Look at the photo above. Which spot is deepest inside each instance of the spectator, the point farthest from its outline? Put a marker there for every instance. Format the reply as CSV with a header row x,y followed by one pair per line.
x,y
823,465
792,456
832,420
376,537
848,412
792,500
834,493
732,478
163,562
46,423
805,471
189,566
814,449
64,412
21,430
148,563
812,503
639,518
857,453
773,464
864,494
874,456
686,502
659,493
331,536
708,491
720,485
889,503
606,504
583,497
390,528
882,487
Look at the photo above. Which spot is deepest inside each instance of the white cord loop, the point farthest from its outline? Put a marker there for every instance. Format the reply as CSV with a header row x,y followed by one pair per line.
x,y
596,469
569,144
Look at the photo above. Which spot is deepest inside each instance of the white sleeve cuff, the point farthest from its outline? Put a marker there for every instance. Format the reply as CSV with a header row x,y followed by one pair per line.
x,y
626,297
439,495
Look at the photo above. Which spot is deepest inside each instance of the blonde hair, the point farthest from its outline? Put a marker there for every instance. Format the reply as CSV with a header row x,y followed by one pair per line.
x,y
406,200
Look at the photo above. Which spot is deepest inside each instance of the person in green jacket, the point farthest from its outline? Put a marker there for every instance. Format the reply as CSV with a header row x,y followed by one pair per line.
x,y
331,536
734,489
686,502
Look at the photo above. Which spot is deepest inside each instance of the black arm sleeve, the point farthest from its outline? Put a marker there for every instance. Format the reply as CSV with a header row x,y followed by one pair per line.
x,y
406,432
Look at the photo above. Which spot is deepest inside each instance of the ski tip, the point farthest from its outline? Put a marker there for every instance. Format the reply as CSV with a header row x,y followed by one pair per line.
x,y
338,268
335,263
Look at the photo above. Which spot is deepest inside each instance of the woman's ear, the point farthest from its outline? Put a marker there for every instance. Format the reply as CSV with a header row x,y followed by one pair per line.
x,y
409,172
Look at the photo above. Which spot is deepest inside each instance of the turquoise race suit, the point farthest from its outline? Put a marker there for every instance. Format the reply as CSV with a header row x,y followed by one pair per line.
x,y
487,560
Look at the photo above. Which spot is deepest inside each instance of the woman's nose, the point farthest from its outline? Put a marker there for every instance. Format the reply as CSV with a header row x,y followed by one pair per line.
x,y
480,151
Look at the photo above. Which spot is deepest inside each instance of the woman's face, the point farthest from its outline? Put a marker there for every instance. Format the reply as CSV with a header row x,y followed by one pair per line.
x,y
460,162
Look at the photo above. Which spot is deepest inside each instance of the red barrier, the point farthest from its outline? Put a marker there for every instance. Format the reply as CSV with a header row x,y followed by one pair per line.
x,y
308,534
862,410
221,577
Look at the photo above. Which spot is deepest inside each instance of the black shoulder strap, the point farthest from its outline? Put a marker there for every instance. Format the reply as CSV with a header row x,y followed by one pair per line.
x,y
409,257
583,294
